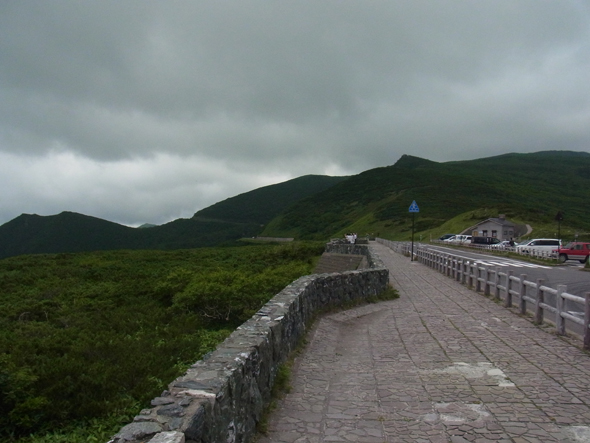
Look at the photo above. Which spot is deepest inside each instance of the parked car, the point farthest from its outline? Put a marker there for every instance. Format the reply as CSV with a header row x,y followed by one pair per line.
x,y
459,239
538,245
502,245
485,240
574,251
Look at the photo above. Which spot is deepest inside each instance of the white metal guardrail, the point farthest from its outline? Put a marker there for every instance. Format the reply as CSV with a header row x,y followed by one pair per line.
x,y
504,286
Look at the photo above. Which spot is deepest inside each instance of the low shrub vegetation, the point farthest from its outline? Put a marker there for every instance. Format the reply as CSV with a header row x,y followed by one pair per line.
x,y
87,339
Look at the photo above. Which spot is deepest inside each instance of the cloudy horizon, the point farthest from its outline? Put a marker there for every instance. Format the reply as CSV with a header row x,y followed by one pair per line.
x,y
146,111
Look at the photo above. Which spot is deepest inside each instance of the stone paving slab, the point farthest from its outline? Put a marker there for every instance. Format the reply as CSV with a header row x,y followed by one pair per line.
x,y
441,364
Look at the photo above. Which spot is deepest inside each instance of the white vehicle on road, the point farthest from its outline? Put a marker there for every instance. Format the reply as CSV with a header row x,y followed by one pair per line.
x,y
458,239
538,246
504,244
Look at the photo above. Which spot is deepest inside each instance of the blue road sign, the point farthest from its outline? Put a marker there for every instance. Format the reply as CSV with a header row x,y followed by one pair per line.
x,y
414,207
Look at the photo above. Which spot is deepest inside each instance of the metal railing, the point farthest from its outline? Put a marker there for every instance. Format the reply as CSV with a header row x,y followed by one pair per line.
x,y
505,286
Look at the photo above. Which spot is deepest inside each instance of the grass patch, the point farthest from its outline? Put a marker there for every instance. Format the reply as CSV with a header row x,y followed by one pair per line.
x,y
390,293
280,388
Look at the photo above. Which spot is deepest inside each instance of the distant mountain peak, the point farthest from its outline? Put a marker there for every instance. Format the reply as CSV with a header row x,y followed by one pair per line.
x,y
147,225
410,162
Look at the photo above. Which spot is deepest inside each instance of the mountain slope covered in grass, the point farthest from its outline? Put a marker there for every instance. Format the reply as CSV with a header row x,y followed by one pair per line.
x,y
263,204
529,188
222,223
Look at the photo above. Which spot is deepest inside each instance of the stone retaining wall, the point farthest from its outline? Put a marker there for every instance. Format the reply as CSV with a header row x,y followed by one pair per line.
x,y
343,247
222,397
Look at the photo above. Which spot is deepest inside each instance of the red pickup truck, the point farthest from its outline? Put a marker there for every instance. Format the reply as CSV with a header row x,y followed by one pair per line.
x,y
574,251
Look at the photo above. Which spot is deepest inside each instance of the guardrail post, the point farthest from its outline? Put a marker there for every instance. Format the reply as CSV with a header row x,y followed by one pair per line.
x,y
477,278
587,321
559,320
466,272
471,275
486,281
497,284
459,271
522,292
540,299
508,300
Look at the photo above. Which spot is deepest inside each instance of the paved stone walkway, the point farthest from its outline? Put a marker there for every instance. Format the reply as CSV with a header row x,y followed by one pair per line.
x,y
440,364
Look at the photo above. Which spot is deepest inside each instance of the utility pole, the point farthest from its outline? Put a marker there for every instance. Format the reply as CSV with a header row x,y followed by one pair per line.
x,y
413,210
559,219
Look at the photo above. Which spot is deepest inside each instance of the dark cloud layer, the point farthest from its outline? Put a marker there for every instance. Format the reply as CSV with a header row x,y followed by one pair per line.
x,y
144,111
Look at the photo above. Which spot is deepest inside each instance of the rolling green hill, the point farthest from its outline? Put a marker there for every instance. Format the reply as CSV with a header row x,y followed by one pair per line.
x,y
263,204
527,188
72,232
224,222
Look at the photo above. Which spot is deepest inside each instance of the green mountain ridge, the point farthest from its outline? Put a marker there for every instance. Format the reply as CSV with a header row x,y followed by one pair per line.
x,y
530,188
263,204
527,188
219,224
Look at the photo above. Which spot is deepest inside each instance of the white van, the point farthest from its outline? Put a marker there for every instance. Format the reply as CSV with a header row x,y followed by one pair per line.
x,y
538,246
459,239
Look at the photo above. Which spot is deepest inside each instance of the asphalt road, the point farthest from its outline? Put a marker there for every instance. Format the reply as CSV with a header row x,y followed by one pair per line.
x,y
570,273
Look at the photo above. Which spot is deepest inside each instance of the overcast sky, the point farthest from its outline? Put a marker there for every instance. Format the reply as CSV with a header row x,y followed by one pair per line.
x,y
147,111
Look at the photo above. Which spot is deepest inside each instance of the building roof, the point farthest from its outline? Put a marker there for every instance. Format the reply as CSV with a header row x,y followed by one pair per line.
x,y
498,221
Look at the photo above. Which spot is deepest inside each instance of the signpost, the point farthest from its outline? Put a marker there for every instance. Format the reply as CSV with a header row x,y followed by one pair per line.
x,y
413,210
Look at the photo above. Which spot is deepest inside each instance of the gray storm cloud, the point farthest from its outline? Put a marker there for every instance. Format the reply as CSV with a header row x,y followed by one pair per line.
x,y
144,111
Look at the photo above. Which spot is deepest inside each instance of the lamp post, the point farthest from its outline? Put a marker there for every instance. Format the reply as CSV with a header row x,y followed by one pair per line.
x,y
559,219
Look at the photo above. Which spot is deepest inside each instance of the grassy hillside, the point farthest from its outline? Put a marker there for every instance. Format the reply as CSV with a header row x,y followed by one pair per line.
x,y
263,204
527,188
72,232
240,216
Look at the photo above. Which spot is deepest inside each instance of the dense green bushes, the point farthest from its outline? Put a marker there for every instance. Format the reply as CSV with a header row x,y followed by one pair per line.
x,y
92,336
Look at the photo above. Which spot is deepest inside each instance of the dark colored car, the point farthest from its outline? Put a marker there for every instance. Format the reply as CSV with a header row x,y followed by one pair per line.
x,y
485,240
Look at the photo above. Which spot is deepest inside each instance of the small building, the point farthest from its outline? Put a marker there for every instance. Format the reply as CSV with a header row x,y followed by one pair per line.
x,y
499,228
